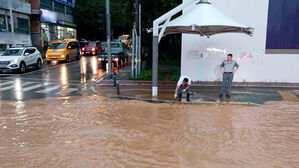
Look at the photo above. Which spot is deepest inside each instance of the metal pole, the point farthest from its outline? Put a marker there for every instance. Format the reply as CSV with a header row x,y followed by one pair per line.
x,y
155,67
133,52
108,38
11,21
139,40
136,51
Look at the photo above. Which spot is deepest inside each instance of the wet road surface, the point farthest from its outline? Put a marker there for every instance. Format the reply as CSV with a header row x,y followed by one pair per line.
x,y
92,131
54,80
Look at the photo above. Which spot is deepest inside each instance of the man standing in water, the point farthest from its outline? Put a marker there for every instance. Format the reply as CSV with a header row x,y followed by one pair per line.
x,y
183,85
228,68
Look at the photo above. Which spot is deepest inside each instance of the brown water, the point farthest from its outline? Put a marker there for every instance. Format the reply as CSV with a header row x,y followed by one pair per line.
x,y
108,133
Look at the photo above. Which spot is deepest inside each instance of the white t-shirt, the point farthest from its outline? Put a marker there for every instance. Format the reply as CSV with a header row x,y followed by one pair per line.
x,y
182,79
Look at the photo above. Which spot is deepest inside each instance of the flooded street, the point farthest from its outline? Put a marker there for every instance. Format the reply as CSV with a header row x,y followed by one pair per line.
x,y
93,131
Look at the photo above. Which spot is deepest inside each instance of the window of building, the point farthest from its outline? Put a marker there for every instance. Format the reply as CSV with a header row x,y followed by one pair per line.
x,y
59,7
46,4
2,23
23,26
69,10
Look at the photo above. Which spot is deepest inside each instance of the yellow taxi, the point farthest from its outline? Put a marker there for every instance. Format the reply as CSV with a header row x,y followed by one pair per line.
x,y
63,50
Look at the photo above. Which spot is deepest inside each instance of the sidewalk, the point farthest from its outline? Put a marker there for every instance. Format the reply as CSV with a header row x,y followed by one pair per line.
x,y
201,92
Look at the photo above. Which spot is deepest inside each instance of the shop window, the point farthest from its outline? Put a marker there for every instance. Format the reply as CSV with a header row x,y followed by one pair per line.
x,y
2,23
59,7
23,26
69,10
46,4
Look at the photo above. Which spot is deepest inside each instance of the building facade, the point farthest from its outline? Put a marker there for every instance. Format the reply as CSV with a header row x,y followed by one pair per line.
x,y
270,55
14,23
51,20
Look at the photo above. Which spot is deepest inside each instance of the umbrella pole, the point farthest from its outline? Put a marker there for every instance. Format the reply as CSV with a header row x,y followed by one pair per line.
x,y
155,67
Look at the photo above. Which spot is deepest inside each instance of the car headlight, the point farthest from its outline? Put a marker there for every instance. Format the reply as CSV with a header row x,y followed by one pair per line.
x,y
62,56
93,49
15,60
46,55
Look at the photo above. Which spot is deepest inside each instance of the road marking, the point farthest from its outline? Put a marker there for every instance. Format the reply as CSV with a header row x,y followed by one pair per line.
x,y
67,91
6,83
14,86
49,89
32,87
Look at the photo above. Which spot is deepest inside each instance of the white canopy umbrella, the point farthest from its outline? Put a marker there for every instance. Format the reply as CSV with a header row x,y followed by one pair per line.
x,y
202,19
205,19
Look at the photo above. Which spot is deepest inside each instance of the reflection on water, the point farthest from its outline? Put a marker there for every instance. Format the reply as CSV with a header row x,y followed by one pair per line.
x,y
64,75
18,89
94,65
99,132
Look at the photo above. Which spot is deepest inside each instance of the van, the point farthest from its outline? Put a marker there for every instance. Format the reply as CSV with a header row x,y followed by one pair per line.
x,y
63,50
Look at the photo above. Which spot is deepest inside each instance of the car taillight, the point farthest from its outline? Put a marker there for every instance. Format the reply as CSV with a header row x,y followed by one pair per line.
x,y
115,59
83,49
100,59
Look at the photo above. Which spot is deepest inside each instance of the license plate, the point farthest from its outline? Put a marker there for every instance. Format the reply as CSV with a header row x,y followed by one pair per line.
x,y
87,52
53,57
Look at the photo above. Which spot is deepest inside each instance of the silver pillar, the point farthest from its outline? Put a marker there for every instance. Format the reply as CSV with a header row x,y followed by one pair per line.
x,y
155,67
11,20
108,37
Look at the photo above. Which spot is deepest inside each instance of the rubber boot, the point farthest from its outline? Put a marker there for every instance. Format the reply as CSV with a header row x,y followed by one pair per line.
x,y
188,97
180,96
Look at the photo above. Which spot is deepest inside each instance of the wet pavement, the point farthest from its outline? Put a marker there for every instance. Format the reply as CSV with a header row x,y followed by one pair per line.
x,y
60,117
94,131
201,92
54,80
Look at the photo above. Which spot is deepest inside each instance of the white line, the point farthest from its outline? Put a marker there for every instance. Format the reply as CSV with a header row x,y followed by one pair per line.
x,y
67,91
7,88
48,89
5,83
31,87
13,86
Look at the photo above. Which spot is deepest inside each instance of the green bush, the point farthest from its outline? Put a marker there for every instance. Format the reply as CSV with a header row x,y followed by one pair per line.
x,y
175,76
146,75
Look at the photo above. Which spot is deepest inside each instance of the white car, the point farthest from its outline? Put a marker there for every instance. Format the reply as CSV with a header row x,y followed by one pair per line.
x,y
20,58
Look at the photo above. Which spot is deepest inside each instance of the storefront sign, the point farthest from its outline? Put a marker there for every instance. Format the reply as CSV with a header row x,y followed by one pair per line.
x,y
48,16
66,2
65,23
14,38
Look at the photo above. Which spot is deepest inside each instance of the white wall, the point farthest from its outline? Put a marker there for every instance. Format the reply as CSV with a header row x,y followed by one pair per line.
x,y
201,57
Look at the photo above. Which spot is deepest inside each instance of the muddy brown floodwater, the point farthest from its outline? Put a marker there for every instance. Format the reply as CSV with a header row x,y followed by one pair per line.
x,y
108,133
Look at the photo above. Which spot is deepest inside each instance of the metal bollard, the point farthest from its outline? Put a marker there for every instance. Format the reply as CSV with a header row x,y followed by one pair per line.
x,y
117,88
114,79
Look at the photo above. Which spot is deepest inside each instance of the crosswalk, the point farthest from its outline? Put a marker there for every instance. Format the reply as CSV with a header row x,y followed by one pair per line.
x,y
37,89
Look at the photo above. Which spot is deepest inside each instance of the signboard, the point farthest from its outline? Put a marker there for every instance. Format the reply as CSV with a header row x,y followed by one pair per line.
x,y
48,16
65,23
66,2
14,38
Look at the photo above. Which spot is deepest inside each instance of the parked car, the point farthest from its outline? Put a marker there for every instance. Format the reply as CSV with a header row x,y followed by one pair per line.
x,y
92,48
63,50
118,53
20,59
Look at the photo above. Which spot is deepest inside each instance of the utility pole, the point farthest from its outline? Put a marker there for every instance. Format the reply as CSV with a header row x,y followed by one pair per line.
x,y
108,38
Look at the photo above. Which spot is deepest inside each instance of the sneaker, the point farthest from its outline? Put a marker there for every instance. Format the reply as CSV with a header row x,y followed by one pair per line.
x,y
228,96
221,95
188,100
